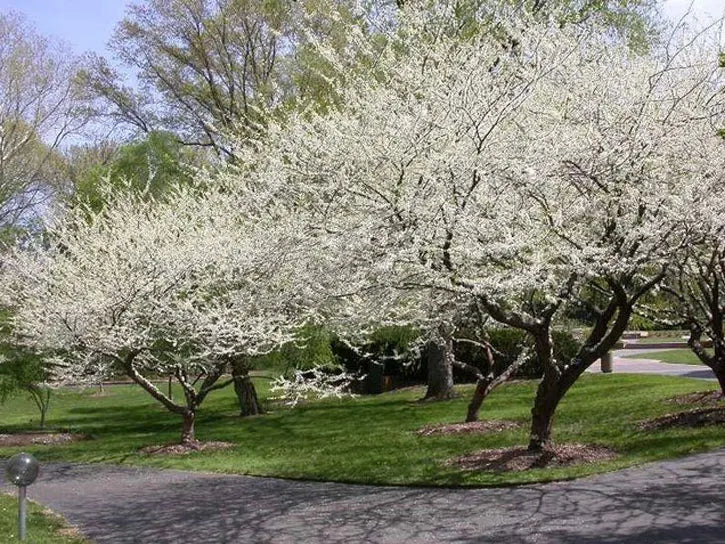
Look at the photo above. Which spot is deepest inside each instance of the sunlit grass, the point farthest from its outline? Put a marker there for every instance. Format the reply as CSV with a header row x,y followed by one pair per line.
x,y
43,527
675,356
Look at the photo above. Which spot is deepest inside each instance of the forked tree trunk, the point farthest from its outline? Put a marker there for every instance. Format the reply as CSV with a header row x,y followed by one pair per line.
x,y
41,397
485,385
249,404
440,369
188,434
44,410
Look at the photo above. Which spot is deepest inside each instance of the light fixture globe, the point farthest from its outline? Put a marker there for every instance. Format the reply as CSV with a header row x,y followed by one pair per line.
x,y
22,469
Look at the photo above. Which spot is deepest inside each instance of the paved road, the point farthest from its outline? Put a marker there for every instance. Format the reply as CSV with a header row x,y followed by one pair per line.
x,y
671,502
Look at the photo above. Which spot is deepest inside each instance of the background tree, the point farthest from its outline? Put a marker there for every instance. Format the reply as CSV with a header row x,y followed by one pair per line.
x,y
206,68
21,371
41,106
153,165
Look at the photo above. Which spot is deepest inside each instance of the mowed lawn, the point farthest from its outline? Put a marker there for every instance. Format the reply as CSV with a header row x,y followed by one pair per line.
x,y
676,356
369,439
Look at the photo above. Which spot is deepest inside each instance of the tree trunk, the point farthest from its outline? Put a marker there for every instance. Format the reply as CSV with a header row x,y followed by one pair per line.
x,y
542,414
440,369
188,434
479,395
246,392
719,371
551,390
44,408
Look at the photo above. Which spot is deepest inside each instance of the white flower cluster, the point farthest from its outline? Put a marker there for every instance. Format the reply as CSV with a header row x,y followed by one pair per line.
x,y
316,383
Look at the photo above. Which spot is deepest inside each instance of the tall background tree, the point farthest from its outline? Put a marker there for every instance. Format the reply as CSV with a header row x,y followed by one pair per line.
x,y
206,68
42,105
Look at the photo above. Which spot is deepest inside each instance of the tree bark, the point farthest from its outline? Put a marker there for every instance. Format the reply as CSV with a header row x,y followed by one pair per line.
x,y
719,371
439,356
249,404
45,404
188,434
479,395
548,395
486,384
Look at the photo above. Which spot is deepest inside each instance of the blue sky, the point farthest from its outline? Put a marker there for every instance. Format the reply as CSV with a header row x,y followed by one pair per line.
x,y
86,25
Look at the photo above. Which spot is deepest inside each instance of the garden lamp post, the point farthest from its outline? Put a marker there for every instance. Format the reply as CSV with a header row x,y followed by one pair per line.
x,y
22,470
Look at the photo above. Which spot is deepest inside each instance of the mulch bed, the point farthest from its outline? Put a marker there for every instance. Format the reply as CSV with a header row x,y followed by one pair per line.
x,y
691,418
185,449
474,427
39,439
698,397
518,459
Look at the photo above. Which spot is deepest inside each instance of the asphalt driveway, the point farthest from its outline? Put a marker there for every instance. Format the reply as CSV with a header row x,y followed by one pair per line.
x,y
677,501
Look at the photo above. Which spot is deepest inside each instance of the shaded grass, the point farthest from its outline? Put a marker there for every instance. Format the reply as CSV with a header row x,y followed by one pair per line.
x,y
675,356
43,526
372,439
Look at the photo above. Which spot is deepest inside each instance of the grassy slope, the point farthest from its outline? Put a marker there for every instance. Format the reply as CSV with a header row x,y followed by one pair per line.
x,y
43,527
371,439
678,356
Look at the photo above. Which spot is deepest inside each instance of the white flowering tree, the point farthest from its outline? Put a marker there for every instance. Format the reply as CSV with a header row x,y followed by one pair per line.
x,y
178,287
557,170
697,288
694,288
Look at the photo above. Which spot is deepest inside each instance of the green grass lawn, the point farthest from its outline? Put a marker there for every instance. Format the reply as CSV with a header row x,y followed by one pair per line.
x,y
43,527
678,356
369,439
656,337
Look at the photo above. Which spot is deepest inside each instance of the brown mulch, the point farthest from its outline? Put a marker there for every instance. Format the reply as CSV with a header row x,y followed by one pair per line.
x,y
691,418
698,397
474,427
519,458
39,439
185,449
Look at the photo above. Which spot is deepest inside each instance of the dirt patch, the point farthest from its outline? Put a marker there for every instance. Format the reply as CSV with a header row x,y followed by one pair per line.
x,y
519,458
39,439
698,397
692,418
185,449
474,427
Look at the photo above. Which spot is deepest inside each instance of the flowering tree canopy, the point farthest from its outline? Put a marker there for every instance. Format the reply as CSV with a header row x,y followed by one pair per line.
x,y
178,287
551,168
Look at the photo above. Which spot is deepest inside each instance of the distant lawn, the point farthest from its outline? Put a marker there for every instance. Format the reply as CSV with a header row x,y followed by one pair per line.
x,y
659,339
43,527
678,356
369,439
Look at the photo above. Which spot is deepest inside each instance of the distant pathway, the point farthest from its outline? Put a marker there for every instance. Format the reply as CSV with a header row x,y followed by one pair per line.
x,y
623,364
662,503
